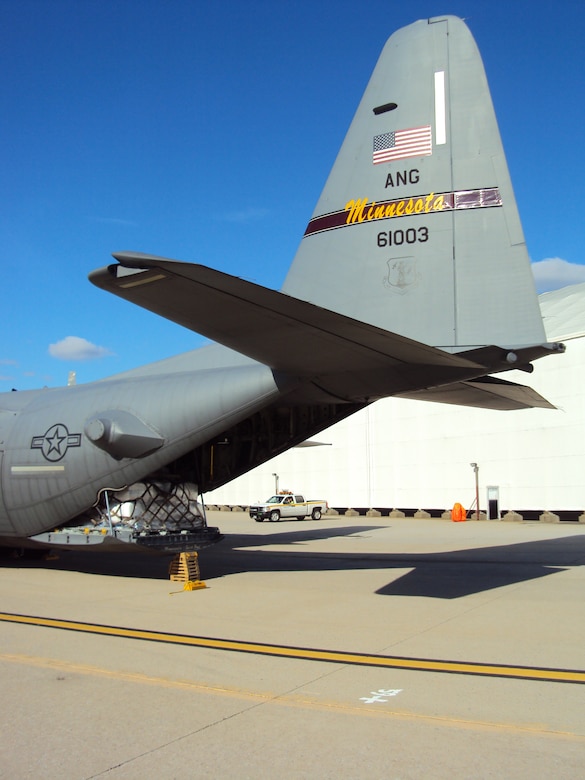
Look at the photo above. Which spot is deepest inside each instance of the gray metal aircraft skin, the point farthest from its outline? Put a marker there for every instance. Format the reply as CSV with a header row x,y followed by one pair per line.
x,y
412,279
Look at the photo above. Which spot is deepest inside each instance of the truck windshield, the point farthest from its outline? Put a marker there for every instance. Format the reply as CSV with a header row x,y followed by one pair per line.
x,y
274,500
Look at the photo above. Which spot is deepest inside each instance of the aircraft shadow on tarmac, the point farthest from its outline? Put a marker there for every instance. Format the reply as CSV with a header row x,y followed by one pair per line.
x,y
444,575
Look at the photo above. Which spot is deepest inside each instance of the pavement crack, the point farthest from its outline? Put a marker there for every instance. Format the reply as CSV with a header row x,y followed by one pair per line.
x,y
450,619
182,737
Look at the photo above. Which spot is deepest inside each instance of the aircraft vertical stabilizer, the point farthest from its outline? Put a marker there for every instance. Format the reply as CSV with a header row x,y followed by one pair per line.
x,y
417,229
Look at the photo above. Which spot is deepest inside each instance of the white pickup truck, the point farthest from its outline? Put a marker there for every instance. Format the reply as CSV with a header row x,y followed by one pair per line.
x,y
287,505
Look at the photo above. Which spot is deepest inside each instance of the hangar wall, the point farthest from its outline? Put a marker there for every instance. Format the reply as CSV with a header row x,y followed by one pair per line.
x,y
412,454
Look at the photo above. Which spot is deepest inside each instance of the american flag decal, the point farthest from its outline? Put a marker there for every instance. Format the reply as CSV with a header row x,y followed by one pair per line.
x,y
400,144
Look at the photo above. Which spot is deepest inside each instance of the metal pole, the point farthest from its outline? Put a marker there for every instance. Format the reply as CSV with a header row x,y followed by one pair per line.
x,y
475,468
109,513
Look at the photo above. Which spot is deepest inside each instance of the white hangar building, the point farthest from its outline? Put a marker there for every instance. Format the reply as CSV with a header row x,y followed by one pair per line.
x,y
407,454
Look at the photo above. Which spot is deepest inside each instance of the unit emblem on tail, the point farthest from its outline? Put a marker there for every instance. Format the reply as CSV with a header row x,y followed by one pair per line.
x,y
402,274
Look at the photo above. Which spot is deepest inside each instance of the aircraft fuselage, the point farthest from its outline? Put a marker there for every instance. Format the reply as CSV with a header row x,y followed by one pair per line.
x,y
62,446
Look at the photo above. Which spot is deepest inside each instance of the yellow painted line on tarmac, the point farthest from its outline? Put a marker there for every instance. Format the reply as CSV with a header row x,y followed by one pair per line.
x,y
70,667
309,654
284,699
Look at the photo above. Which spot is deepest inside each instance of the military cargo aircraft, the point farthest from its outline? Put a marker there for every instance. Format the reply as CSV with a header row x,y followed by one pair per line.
x,y
412,279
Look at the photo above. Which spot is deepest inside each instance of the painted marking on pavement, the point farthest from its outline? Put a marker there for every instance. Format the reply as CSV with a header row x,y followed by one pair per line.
x,y
381,695
287,699
309,654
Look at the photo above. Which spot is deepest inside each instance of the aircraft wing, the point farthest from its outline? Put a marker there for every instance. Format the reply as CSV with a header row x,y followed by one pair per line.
x,y
278,330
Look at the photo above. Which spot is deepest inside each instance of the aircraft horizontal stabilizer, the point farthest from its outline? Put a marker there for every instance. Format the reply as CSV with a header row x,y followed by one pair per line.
x,y
484,393
278,330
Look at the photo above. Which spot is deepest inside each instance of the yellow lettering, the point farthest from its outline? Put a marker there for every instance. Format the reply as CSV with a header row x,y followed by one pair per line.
x,y
349,206
360,210
356,210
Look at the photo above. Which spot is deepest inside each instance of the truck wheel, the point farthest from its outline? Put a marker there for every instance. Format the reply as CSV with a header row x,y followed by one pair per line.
x,y
316,514
274,516
259,519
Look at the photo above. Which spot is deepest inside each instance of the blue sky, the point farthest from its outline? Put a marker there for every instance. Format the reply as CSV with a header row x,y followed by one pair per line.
x,y
205,132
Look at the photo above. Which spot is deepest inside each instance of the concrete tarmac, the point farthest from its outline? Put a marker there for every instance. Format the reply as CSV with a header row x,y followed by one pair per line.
x,y
506,597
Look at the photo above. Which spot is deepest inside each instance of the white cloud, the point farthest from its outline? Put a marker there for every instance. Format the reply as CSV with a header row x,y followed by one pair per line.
x,y
115,221
554,273
7,362
76,348
244,216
